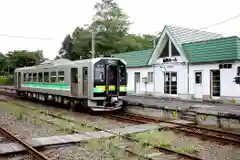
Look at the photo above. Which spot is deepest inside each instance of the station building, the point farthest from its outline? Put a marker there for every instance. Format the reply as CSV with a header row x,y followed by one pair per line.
x,y
186,64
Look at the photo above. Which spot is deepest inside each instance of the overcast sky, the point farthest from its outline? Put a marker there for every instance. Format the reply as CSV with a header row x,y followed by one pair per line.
x,y
55,18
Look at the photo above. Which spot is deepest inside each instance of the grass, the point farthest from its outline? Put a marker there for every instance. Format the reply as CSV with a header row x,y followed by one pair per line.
x,y
165,139
107,147
110,148
38,118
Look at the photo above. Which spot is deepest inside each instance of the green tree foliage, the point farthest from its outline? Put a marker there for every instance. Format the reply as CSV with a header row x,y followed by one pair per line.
x,y
21,58
110,28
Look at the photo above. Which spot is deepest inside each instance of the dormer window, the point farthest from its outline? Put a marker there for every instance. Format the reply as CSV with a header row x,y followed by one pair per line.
x,y
165,51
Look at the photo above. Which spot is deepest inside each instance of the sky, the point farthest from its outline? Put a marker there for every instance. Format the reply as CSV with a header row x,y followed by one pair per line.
x,y
51,20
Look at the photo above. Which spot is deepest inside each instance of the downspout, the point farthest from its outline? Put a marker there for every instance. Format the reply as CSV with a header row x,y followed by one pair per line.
x,y
154,89
188,84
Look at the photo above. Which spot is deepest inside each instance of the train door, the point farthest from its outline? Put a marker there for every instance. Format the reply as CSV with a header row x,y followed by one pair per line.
x,y
19,77
112,79
74,81
85,81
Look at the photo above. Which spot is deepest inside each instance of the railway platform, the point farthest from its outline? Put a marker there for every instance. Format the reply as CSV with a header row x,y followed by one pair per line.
x,y
219,115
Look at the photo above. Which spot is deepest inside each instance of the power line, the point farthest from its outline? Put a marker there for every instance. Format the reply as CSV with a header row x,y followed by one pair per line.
x,y
219,23
24,37
48,38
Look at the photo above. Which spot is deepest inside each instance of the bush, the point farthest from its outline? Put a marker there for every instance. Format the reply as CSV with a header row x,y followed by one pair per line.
x,y
7,80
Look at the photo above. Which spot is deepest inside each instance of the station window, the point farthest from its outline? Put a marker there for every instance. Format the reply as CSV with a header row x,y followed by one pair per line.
x,y
225,66
34,77
40,77
61,76
46,77
238,71
53,77
198,77
29,77
25,77
150,77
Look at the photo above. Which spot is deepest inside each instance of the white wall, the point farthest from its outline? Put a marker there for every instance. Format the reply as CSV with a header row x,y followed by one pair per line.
x,y
157,87
182,81
228,87
143,73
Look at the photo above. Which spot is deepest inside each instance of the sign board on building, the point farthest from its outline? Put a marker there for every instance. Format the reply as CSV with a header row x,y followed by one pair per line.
x,y
144,79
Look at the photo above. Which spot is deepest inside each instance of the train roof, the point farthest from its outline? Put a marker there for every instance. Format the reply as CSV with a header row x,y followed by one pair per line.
x,y
47,63
94,60
63,61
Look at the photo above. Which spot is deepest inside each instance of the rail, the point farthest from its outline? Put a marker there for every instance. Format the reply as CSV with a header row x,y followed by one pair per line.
x,y
220,135
32,151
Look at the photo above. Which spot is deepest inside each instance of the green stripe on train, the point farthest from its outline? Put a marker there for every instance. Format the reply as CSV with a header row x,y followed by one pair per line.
x,y
102,89
57,86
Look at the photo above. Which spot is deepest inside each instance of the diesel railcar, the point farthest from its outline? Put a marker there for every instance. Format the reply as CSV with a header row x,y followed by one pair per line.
x,y
98,83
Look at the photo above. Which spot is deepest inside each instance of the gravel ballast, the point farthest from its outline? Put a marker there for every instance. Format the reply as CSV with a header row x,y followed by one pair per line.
x,y
26,123
208,150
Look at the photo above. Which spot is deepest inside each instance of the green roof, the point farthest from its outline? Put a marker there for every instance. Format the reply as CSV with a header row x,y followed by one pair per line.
x,y
136,58
220,49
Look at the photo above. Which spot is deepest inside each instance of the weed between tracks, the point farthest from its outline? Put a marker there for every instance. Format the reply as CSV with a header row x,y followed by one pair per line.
x,y
166,139
37,118
115,148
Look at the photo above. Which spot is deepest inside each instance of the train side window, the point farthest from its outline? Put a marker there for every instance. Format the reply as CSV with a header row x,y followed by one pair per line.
x,y
61,76
29,77
25,77
46,77
85,69
40,77
34,77
53,77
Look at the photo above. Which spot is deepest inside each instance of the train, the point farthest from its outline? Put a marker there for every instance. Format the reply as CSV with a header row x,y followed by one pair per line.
x,y
98,84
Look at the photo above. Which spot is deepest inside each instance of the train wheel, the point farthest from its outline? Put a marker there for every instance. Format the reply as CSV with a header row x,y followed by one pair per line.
x,y
72,105
18,93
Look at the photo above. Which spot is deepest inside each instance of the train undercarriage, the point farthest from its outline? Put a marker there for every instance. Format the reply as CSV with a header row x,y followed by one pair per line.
x,y
75,104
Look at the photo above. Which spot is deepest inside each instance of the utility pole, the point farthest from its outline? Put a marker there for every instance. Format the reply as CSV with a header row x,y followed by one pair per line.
x,y
93,44
154,42
154,39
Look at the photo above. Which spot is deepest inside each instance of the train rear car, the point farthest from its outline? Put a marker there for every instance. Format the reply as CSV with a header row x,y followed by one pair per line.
x,y
98,84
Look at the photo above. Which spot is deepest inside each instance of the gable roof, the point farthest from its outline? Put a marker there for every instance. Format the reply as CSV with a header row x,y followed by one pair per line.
x,y
179,36
221,49
187,35
135,58
195,46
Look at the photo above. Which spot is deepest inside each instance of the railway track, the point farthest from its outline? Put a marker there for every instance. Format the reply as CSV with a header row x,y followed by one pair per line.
x,y
31,150
165,151
201,132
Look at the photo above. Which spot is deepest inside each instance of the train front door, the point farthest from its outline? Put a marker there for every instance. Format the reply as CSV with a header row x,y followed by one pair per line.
x,y
74,81
19,79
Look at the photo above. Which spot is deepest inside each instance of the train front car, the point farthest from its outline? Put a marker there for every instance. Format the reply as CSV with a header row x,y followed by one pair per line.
x,y
109,83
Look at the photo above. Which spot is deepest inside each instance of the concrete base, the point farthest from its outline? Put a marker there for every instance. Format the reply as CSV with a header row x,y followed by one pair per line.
x,y
207,116
161,113
227,119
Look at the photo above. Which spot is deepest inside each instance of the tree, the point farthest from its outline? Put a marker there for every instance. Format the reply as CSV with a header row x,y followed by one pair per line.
x,y
76,45
20,58
110,29
66,46
110,25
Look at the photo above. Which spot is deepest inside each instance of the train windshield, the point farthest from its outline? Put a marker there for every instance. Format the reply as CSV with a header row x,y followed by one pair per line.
x,y
122,72
112,74
99,73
